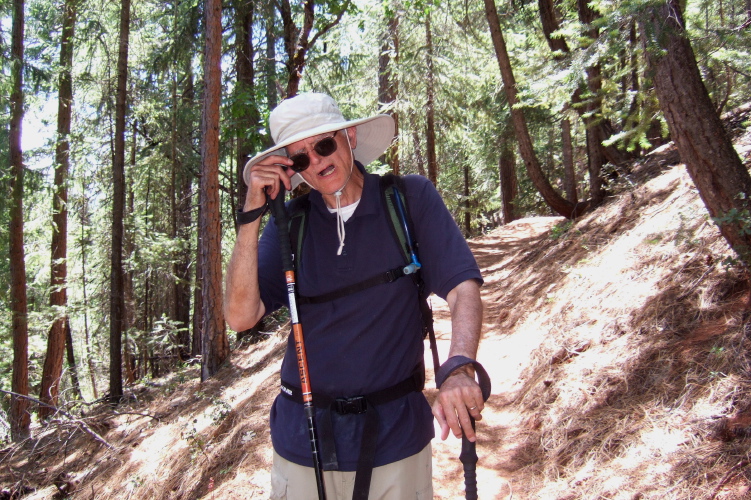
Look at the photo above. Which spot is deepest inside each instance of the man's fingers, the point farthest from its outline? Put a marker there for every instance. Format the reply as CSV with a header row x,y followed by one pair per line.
x,y
264,180
440,416
460,400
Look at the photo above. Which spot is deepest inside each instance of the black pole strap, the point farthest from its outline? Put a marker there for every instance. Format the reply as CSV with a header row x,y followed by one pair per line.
x,y
456,362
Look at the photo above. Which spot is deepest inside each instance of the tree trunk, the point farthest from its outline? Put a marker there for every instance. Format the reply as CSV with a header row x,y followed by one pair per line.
x,y
297,41
70,354
430,106
53,362
713,164
507,172
271,83
215,344
549,26
248,120
569,173
184,265
84,244
467,215
592,115
175,168
388,86
129,299
19,414
197,340
534,170
419,159
117,302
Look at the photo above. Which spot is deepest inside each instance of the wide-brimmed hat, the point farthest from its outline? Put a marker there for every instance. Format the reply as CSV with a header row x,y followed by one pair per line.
x,y
310,114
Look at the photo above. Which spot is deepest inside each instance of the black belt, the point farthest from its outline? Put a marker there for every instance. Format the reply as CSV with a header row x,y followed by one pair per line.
x,y
356,405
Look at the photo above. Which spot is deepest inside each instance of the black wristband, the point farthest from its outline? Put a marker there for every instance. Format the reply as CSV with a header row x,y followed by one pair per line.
x,y
251,215
455,362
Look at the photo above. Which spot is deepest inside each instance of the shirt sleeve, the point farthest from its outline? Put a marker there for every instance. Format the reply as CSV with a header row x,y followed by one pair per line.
x,y
270,275
443,252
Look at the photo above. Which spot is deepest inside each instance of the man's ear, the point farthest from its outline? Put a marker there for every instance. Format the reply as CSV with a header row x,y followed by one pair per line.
x,y
352,134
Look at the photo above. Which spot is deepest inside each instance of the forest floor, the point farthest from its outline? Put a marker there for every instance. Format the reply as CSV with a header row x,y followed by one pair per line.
x,y
619,347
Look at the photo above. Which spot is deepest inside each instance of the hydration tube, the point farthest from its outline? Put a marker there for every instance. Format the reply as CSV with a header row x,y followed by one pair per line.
x,y
415,264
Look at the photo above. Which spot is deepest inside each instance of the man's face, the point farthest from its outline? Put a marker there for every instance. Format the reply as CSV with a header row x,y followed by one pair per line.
x,y
326,174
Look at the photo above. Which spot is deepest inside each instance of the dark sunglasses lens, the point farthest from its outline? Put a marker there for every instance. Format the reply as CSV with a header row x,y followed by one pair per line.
x,y
325,147
300,162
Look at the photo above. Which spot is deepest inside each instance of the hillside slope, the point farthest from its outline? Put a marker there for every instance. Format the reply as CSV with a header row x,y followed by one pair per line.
x,y
618,346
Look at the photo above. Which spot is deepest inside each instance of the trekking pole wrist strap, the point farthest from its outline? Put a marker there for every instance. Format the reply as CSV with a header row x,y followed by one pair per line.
x,y
251,215
456,362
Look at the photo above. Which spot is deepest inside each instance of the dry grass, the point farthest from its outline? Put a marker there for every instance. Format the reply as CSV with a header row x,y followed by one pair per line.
x,y
639,381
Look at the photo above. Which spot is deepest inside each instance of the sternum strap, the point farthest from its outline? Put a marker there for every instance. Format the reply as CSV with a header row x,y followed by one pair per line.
x,y
380,279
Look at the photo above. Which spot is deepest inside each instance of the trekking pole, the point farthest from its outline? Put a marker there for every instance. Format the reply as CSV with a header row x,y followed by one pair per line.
x,y
279,212
468,455
468,458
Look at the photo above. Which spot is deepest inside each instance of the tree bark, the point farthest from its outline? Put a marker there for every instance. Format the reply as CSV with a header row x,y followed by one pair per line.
x,y
117,302
71,356
569,173
713,164
20,418
388,86
549,26
592,115
53,362
197,339
130,346
248,119
467,205
297,41
554,200
507,172
271,83
215,344
430,106
85,221
184,265
419,159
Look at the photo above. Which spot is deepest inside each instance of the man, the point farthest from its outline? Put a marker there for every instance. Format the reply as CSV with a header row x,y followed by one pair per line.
x,y
362,343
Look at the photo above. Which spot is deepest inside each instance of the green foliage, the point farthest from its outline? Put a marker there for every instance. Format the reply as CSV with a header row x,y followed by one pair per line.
x,y
561,229
741,218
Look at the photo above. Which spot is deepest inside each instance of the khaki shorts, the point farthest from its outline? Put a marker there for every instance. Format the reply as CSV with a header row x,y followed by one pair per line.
x,y
405,479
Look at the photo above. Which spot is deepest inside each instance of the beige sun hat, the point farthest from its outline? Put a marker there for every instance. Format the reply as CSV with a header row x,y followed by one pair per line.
x,y
310,114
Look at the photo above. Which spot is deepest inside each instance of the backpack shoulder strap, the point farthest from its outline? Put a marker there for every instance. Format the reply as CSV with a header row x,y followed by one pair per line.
x,y
392,186
298,210
394,192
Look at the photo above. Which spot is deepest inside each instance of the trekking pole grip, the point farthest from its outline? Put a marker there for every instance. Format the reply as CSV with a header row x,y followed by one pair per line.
x,y
279,211
468,458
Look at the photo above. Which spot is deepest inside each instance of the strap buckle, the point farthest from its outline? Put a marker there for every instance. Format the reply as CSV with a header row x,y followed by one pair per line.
x,y
350,406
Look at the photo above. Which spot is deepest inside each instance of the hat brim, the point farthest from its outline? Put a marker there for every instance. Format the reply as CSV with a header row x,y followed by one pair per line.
x,y
374,135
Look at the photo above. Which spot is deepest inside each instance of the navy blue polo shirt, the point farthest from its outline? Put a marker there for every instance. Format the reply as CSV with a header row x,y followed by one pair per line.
x,y
369,340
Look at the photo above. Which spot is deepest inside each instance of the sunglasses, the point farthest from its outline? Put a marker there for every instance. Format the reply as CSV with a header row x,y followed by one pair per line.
x,y
324,147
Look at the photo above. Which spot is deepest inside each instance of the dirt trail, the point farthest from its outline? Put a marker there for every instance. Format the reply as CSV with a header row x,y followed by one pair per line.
x,y
503,356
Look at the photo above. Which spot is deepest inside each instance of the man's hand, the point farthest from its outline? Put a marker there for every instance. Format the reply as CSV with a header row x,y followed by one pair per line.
x,y
264,178
460,396
459,399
